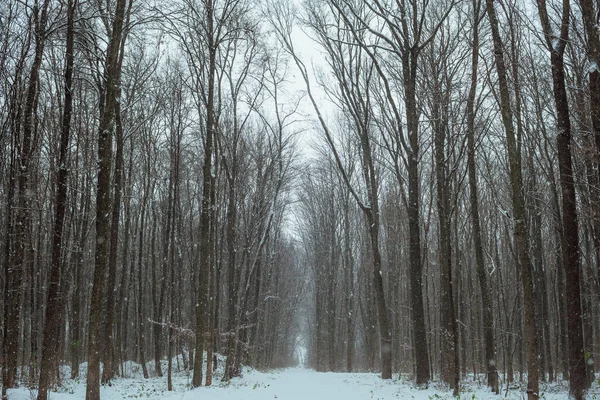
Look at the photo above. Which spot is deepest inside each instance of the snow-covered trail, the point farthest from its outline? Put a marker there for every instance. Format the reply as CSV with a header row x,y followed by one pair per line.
x,y
288,384
304,384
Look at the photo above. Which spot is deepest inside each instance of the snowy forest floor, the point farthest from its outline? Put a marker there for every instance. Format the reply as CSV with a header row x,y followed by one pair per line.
x,y
288,384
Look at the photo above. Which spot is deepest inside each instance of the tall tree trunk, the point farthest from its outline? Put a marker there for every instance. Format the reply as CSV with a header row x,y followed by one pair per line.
x,y
206,213
349,277
111,92
54,314
330,294
212,301
22,255
140,276
175,217
559,246
165,283
384,327
571,255
9,365
171,288
450,370
421,352
232,287
156,306
78,265
128,266
534,215
487,310
591,19
518,203
110,316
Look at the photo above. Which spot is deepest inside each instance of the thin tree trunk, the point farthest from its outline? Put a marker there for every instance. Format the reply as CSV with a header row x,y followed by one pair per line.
x,y
156,306
53,319
23,252
349,276
519,217
487,310
76,337
110,316
450,370
7,364
210,339
126,277
206,213
330,293
174,206
140,277
231,275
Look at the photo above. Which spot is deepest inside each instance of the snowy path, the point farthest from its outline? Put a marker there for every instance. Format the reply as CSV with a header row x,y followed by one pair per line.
x,y
304,384
289,384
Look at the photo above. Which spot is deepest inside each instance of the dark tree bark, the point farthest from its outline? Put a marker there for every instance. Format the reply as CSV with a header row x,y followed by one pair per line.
x,y
76,342
571,256
176,128
349,278
125,288
101,258
212,288
231,270
111,305
440,104
519,218
557,232
423,374
487,310
208,189
22,255
591,19
541,293
148,188
160,281
54,315
155,295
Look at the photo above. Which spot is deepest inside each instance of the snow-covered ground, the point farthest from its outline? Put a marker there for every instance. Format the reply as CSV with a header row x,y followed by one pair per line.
x,y
287,384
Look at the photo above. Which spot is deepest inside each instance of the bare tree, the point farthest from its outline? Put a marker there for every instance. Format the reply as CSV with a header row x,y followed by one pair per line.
x,y
353,72
487,309
572,261
54,313
519,219
111,93
21,257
